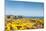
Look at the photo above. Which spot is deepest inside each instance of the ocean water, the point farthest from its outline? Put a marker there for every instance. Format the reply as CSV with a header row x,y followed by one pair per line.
x,y
35,16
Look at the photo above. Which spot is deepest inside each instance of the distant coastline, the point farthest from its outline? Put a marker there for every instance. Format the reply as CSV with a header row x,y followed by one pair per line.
x,y
27,16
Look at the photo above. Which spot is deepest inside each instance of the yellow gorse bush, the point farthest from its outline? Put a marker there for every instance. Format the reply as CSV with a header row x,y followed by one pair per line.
x,y
21,24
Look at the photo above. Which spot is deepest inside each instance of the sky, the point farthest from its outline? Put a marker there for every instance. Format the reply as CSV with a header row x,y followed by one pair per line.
x,y
24,8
